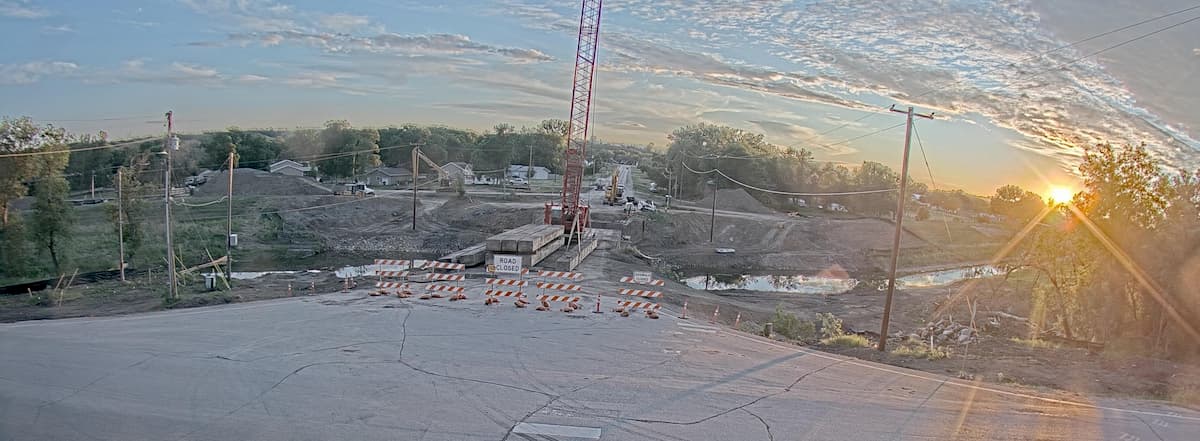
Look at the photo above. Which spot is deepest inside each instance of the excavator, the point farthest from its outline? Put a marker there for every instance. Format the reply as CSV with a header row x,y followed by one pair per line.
x,y
613,193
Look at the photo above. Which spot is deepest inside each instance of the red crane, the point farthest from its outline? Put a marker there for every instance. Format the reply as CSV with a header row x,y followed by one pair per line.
x,y
574,214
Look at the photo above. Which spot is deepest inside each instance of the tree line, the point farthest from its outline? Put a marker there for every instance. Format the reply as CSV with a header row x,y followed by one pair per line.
x,y
748,158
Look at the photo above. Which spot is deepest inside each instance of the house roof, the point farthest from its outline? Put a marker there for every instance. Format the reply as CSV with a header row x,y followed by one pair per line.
x,y
391,171
287,163
461,165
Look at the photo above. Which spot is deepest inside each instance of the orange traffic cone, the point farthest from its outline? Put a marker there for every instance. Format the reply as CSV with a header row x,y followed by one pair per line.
x,y
597,311
716,312
289,290
737,321
683,316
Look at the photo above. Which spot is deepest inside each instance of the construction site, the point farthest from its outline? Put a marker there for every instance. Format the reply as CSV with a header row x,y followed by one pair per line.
x,y
505,301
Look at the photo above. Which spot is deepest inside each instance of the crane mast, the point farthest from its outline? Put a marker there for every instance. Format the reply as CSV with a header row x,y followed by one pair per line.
x,y
573,212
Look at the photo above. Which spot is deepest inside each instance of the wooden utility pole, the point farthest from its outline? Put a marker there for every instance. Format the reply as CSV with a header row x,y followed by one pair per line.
x,y
121,223
169,143
93,186
900,199
229,222
415,152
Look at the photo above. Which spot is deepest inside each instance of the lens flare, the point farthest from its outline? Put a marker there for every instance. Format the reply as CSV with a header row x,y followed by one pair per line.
x,y
1061,194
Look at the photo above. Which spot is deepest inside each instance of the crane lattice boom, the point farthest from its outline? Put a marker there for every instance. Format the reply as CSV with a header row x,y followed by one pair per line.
x,y
581,102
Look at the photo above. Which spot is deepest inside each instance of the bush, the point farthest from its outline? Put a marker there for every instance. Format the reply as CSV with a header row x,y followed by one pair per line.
x,y
922,214
922,351
791,327
846,341
831,326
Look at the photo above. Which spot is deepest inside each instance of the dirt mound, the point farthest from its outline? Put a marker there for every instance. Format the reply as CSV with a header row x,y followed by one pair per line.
x,y
735,200
252,182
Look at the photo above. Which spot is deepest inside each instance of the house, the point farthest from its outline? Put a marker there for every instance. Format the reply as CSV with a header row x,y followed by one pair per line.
x,y
522,171
456,170
290,168
384,176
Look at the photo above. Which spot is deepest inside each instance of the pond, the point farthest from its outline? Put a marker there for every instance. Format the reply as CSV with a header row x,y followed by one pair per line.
x,y
832,285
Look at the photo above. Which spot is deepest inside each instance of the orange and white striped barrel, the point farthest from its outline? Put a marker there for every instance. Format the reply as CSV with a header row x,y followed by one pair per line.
x,y
389,284
635,305
445,277
391,262
507,282
628,279
396,274
445,288
641,293
559,286
444,266
498,293
554,298
560,275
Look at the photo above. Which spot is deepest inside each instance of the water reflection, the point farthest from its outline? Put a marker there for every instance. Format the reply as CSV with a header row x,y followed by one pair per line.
x,y
834,285
791,284
946,277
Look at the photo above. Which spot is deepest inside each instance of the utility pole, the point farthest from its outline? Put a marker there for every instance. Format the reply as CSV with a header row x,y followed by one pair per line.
x,y
900,200
529,172
93,185
169,143
121,223
416,153
712,226
229,219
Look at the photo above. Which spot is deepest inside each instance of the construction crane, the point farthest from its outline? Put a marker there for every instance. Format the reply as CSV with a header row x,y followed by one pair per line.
x,y
574,215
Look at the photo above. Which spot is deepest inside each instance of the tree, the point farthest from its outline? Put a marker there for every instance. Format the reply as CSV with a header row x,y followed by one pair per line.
x,y
52,214
252,149
1016,204
399,141
875,176
351,150
21,136
132,205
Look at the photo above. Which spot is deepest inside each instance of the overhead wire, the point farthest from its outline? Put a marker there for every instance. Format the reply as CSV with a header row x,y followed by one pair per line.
x,y
786,193
957,82
932,182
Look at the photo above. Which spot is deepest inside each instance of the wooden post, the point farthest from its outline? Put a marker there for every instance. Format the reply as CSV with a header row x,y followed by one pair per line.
x,y
121,224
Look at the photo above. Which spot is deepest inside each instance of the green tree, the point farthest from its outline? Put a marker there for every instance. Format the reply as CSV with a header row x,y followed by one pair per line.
x,y
21,136
351,151
875,176
1016,204
133,208
252,149
52,214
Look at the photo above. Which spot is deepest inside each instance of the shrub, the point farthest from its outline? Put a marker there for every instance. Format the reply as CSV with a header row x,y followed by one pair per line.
x,y
846,341
791,327
831,326
922,351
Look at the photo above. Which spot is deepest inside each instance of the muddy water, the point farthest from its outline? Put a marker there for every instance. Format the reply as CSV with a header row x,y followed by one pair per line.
x,y
345,271
830,285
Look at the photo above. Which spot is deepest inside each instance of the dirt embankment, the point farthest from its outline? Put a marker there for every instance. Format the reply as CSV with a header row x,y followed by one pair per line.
x,y
253,182
735,200
769,244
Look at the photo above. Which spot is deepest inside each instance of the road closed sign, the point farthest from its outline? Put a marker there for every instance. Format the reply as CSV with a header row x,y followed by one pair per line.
x,y
507,263
642,277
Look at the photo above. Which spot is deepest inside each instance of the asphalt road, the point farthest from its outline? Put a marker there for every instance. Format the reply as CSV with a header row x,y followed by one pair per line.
x,y
348,366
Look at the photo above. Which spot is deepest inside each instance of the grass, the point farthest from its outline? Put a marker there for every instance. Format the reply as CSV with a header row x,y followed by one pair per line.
x,y
921,351
1034,343
847,341
791,327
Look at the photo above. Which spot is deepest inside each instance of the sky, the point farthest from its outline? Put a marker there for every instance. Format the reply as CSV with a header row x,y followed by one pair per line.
x,y
820,75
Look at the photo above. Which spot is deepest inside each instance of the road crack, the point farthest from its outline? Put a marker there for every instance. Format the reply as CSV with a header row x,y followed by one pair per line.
x,y
770,437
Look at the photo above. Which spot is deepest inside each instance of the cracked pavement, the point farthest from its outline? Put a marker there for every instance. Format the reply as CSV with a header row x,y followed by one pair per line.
x,y
347,366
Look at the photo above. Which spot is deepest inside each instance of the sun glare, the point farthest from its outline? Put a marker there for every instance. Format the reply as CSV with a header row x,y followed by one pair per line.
x,y
1061,194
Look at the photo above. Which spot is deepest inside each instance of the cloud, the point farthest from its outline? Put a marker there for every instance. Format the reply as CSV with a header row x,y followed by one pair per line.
x,y
32,72
178,73
386,43
60,29
249,78
343,22
137,23
1196,52
22,9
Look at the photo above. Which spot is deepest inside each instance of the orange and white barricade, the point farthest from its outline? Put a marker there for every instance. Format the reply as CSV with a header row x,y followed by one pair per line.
x,y
401,288
625,306
560,275
559,286
392,262
641,293
571,301
436,292
432,265
654,282
431,277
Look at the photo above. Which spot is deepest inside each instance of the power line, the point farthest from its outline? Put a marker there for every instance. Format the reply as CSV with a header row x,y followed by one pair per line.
x,y
1043,54
785,193
82,149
